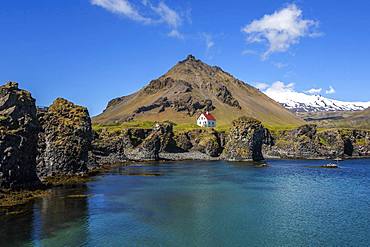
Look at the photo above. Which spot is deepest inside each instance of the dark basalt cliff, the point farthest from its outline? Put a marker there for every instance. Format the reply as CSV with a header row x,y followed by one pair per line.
x,y
64,140
18,138
307,142
243,143
245,140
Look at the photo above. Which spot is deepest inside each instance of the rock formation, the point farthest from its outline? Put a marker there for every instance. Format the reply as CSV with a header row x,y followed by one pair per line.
x,y
307,142
64,141
245,140
207,141
161,139
109,146
18,138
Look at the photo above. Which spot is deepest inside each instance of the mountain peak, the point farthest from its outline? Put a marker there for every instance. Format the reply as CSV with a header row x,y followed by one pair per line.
x,y
191,87
190,57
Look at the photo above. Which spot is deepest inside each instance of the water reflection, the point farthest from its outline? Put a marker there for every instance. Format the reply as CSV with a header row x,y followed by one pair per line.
x,y
60,215
203,204
15,230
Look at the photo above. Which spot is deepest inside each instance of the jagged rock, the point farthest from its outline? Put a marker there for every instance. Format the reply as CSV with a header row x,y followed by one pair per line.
x,y
119,100
64,141
245,140
18,138
108,147
205,141
161,103
156,85
148,150
166,135
161,139
226,97
306,142
308,130
183,141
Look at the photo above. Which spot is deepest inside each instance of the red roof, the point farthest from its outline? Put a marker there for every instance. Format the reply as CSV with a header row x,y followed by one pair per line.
x,y
209,116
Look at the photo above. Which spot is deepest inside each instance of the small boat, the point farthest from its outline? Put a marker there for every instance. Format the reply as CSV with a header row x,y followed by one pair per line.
x,y
332,165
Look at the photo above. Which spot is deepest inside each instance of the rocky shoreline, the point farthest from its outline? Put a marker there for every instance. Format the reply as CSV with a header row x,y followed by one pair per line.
x,y
57,145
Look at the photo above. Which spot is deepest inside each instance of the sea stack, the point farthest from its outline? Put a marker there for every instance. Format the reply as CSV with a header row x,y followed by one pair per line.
x,y
18,138
65,139
245,140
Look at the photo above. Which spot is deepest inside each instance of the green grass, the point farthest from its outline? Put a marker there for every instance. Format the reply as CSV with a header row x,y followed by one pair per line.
x,y
125,125
178,128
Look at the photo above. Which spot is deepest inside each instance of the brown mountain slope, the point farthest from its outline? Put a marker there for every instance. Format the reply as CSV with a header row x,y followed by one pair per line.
x,y
345,119
359,119
190,87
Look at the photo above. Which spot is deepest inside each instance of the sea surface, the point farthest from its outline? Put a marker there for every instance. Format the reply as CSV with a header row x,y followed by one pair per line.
x,y
288,203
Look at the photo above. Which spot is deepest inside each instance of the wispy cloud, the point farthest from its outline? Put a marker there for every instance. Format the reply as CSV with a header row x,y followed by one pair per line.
x,y
262,86
208,40
168,16
122,7
314,91
280,30
154,14
209,43
331,90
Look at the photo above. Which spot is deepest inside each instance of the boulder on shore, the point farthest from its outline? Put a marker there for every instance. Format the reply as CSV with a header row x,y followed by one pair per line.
x,y
18,138
64,141
307,142
245,140
161,139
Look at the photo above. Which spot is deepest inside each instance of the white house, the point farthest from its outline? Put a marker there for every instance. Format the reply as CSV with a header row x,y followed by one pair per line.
x,y
206,119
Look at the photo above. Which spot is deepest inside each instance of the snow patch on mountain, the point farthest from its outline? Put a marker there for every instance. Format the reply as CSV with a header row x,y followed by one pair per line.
x,y
295,101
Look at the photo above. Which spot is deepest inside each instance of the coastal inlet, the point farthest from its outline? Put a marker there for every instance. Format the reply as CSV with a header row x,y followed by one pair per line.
x,y
196,203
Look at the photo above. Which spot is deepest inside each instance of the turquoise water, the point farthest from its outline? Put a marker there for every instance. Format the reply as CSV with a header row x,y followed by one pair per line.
x,y
289,203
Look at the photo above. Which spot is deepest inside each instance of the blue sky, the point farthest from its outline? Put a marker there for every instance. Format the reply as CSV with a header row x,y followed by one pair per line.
x,y
90,51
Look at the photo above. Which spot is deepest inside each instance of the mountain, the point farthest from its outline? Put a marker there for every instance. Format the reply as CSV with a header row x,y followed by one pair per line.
x,y
360,119
301,102
191,87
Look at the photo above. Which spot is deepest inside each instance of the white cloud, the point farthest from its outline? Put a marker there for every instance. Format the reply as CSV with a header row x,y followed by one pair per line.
x,y
314,91
262,86
280,87
122,7
331,90
167,15
280,30
162,12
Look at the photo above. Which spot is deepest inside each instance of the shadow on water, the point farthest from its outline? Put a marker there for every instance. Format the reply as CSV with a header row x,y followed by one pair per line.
x,y
61,209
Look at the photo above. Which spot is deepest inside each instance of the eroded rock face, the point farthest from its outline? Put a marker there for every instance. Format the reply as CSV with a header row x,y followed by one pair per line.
x,y
108,147
226,97
65,139
306,142
18,138
245,140
161,139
